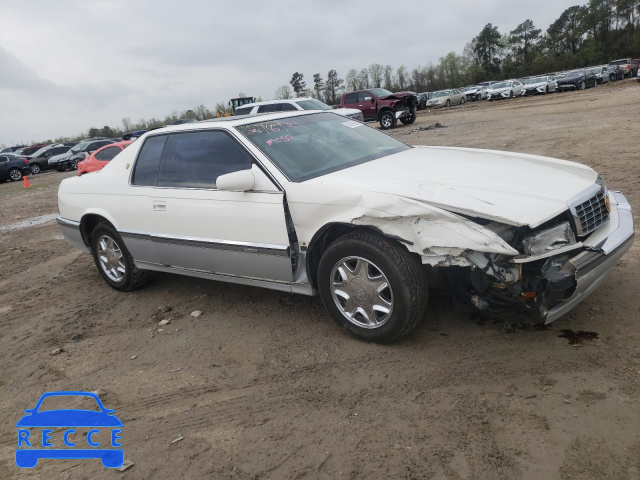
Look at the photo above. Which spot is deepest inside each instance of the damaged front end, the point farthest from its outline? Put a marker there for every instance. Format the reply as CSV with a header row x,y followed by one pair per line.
x,y
559,264
405,105
495,267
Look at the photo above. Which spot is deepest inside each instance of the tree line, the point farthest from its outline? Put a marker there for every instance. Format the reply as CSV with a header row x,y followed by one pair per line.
x,y
582,36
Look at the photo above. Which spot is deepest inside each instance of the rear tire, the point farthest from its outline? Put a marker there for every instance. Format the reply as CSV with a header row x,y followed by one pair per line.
x,y
409,120
114,261
372,287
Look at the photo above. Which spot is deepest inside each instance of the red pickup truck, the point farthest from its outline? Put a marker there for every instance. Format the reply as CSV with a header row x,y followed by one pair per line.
x,y
378,104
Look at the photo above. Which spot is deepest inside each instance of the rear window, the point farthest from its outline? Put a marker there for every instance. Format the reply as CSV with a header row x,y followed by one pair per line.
x,y
146,169
620,62
108,153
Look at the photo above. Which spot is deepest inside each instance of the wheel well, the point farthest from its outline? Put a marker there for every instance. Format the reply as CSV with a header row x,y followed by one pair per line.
x,y
325,237
88,224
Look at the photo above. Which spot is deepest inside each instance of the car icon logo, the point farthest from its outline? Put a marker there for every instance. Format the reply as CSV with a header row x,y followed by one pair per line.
x,y
64,428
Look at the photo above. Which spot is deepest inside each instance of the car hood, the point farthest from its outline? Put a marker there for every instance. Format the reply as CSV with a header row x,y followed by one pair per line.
x,y
398,95
513,188
570,79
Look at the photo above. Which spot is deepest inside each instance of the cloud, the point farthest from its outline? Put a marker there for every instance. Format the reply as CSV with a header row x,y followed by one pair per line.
x,y
80,64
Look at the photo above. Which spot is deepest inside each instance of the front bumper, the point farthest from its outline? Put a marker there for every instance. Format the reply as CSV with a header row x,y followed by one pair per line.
x,y
592,265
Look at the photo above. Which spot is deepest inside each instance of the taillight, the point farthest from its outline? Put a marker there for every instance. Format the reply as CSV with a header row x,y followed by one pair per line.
x,y
26,161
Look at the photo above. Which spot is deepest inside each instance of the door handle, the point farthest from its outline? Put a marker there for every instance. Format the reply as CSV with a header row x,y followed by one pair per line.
x,y
159,206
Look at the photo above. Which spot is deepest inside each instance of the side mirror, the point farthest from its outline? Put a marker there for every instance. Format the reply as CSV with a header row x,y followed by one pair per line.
x,y
368,99
239,181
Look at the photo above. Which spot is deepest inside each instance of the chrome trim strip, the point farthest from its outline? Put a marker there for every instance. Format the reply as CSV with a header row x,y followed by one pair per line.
x,y
67,223
625,225
303,289
245,247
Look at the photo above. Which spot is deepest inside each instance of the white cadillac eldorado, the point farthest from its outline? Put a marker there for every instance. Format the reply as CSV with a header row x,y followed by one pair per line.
x,y
316,203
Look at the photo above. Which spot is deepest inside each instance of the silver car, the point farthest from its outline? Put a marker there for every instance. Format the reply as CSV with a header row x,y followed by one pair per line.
x,y
537,85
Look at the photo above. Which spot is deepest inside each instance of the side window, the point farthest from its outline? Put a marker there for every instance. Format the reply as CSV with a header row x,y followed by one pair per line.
x,y
288,107
362,96
244,110
145,171
108,153
351,98
272,107
197,159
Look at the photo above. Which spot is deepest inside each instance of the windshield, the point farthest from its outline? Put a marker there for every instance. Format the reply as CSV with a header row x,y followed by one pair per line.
x,y
500,85
78,147
444,93
40,151
575,74
531,81
380,92
313,105
309,146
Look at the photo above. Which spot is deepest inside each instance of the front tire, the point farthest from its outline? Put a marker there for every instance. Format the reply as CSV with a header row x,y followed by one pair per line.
x,y
114,261
582,86
387,120
448,103
372,287
35,168
15,174
462,101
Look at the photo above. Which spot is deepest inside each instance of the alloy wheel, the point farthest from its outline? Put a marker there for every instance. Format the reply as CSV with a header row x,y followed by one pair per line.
x,y
362,292
111,258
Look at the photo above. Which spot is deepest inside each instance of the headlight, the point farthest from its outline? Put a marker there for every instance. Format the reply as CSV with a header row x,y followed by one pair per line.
x,y
550,239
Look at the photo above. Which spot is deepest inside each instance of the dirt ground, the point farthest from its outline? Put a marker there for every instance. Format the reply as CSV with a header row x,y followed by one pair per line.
x,y
264,385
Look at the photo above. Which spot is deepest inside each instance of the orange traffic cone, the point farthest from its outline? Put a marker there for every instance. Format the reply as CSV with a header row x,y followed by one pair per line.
x,y
26,182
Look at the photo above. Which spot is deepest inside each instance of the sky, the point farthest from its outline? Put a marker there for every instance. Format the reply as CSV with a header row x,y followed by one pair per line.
x,y
67,66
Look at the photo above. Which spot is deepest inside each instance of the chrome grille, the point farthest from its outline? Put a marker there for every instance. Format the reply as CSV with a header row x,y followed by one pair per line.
x,y
590,214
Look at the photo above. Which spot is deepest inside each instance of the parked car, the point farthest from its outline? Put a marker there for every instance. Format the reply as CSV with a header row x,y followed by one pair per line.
x,y
13,168
577,80
475,93
307,203
39,160
629,67
26,151
537,85
76,154
422,101
11,149
506,89
379,104
295,104
603,74
638,75
101,157
446,98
